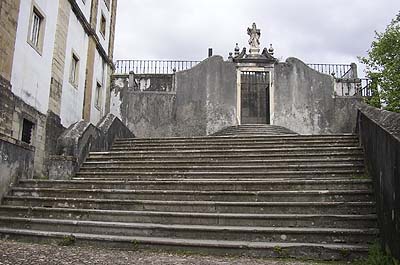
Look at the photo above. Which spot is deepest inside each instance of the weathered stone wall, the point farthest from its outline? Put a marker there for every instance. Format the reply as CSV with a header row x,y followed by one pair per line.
x,y
205,102
149,114
379,133
16,161
59,56
9,10
75,143
206,97
6,107
12,112
304,101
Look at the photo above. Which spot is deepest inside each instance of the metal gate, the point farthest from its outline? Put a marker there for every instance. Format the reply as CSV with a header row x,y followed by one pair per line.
x,y
255,97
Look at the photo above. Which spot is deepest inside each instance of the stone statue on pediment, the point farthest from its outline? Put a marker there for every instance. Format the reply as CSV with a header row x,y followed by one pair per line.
x,y
254,40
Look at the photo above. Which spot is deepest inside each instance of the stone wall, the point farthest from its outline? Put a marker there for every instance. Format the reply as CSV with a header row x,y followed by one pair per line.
x,y
305,101
206,97
59,56
379,133
16,161
204,101
12,112
75,143
6,107
9,10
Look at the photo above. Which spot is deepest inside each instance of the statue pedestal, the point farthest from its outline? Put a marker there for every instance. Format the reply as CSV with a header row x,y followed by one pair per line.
x,y
254,52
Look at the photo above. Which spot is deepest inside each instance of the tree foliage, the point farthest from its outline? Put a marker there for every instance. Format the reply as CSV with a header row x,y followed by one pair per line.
x,y
383,67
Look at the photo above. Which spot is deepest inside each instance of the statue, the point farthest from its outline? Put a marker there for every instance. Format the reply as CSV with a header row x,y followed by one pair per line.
x,y
254,41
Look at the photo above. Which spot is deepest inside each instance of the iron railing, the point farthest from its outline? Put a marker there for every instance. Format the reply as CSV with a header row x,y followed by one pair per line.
x,y
353,87
337,70
152,66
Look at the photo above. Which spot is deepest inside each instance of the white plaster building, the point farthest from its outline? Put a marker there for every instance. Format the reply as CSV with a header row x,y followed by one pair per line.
x,y
60,66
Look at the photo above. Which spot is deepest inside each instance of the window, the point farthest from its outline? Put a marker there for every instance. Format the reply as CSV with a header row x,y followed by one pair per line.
x,y
98,95
103,23
103,72
36,29
27,128
73,78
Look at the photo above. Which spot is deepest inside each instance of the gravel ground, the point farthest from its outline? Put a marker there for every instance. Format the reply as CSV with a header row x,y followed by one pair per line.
x,y
17,253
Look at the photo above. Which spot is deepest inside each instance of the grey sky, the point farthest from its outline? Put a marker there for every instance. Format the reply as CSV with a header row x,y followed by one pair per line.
x,y
315,31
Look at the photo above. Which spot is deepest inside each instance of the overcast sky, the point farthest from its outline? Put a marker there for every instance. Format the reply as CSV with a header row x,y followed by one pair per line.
x,y
315,31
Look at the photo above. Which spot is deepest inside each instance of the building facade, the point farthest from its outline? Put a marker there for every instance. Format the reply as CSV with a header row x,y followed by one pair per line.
x,y
56,64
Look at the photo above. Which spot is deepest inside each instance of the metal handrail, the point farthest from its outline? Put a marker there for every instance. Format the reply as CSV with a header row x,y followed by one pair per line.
x,y
337,70
152,66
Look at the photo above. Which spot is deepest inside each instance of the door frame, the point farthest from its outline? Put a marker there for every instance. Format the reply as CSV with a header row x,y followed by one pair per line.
x,y
239,71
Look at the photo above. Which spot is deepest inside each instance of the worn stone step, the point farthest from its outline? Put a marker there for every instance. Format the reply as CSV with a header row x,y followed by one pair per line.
x,y
221,168
223,162
146,175
191,195
233,138
359,208
239,157
351,142
99,175
225,147
248,233
320,251
206,184
241,152
193,218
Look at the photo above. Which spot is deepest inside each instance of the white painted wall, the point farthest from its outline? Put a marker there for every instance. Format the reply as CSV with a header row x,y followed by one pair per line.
x,y
104,41
31,72
97,113
72,98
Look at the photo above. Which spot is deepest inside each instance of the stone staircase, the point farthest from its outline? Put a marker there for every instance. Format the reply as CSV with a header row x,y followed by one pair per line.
x,y
260,195
254,129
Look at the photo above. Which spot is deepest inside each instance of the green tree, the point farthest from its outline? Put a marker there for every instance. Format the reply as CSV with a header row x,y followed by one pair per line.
x,y
383,67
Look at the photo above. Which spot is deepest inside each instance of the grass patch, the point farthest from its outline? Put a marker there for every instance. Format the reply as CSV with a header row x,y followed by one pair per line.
x,y
376,256
67,241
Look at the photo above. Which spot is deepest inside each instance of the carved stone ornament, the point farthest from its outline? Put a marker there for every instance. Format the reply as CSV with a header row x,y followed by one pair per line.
x,y
254,40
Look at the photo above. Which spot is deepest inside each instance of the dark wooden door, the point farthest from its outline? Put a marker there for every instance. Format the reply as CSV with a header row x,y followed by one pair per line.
x,y
255,98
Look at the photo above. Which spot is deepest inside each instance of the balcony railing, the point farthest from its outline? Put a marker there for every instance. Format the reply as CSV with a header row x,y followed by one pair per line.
x,y
337,70
353,87
152,66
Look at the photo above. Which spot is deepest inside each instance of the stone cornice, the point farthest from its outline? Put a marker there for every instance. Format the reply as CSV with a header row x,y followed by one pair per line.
x,y
91,32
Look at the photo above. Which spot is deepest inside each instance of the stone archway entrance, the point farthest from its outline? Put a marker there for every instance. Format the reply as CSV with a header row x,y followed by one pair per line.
x,y
255,97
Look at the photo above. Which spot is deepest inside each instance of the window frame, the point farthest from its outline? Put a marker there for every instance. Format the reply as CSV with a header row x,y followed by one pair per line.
x,y
36,28
98,95
74,70
103,21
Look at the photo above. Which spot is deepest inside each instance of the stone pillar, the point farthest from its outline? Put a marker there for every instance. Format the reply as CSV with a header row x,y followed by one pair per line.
x,y
87,101
9,12
59,55
110,68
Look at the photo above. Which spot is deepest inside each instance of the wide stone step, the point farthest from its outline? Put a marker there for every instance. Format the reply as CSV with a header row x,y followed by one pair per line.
x,y
171,195
234,138
187,218
136,168
205,185
351,142
223,162
93,157
225,147
358,208
218,175
241,152
193,174
318,251
208,232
